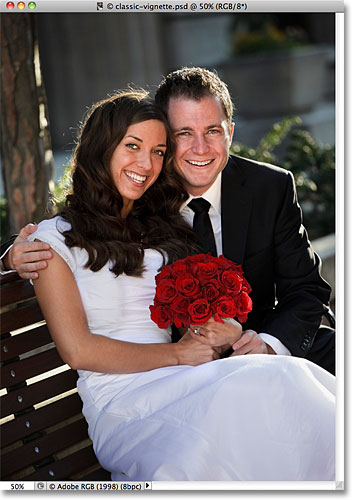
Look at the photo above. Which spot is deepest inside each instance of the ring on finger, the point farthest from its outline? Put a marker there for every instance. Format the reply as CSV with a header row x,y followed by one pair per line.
x,y
196,330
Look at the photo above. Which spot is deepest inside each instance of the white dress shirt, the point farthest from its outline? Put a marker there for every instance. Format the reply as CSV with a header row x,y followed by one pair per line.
x,y
213,196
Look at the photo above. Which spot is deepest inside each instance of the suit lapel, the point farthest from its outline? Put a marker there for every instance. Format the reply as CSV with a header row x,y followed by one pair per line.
x,y
236,205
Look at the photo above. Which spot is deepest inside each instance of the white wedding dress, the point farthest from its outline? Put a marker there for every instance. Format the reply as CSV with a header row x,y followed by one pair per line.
x,y
246,418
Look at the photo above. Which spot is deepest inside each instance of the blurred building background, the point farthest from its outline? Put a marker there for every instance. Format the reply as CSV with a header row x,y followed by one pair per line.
x,y
86,56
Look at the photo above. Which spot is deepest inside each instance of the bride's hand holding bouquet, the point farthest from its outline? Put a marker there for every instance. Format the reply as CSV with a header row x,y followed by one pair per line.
x,y
216,334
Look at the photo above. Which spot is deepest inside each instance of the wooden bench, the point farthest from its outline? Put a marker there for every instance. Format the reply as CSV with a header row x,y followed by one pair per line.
x,y
43,432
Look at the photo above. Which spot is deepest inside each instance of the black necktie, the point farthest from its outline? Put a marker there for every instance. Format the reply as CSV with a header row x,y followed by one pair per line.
x,y
202,225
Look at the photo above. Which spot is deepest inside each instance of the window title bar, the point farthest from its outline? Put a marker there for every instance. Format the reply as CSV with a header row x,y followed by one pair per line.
x,y
171,6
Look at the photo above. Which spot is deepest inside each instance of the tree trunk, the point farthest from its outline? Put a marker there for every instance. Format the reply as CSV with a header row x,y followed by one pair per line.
x,y
27,161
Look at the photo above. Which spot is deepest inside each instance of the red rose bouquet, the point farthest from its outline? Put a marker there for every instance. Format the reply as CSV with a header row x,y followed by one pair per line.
x,y
192,290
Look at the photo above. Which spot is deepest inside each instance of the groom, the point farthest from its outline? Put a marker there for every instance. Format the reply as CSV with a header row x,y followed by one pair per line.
x,y
243,209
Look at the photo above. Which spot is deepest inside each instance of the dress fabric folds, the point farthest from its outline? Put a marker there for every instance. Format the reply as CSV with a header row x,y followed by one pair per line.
x,y
245,418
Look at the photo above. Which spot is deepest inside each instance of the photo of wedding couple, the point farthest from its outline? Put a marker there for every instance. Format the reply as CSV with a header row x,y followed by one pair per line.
x,y
177,278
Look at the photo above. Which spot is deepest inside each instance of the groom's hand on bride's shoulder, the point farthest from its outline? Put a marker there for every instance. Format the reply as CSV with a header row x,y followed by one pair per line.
x,y
28,257
251,343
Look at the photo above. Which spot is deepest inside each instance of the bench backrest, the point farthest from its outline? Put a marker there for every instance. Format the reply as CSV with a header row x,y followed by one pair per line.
x,y
43,432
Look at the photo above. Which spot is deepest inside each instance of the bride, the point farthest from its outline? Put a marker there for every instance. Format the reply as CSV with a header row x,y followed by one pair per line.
x,y
159,410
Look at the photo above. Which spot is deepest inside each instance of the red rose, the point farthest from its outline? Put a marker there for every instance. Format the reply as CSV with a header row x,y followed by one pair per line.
x,y
180,268
164,274
199,312
195,260
223,307
179,304
211,290
161,315
244,306
165,291
206,271
200,257
232,281
246,287
181,319
188,286
179,308
223,263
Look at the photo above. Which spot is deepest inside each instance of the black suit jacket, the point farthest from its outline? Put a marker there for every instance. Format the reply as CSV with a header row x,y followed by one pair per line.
x,y
7,244
262,230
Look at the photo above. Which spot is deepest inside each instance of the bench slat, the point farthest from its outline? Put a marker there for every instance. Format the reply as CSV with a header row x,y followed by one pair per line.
x,y
24,342
16,292
9,278
38,449
40,419
20,317
67,467
18,371
23,398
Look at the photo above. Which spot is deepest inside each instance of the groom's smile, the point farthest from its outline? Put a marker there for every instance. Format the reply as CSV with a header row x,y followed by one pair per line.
x,y
200,163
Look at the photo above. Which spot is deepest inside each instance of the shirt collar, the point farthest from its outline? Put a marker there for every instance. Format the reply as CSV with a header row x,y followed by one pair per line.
x,y
212,195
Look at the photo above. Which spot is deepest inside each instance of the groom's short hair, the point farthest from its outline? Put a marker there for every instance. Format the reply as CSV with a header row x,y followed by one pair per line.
x,y
194,83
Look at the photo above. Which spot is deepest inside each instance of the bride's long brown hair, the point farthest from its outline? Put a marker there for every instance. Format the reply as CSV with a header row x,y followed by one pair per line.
x,y
94,206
